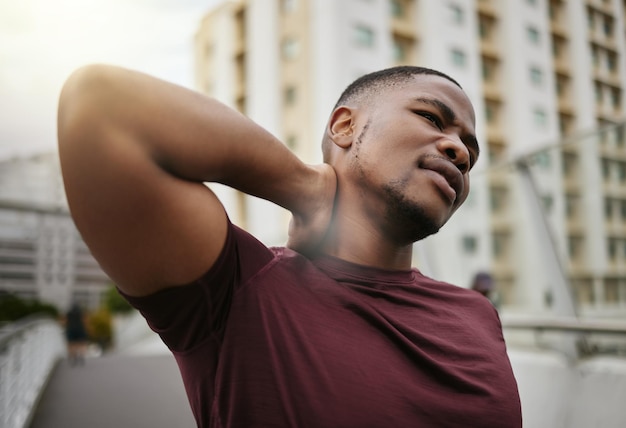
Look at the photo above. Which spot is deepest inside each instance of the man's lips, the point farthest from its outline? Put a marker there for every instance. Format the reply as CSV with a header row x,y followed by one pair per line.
x,y
452,184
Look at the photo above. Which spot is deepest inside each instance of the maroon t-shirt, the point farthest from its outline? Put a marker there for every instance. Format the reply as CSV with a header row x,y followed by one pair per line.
x,y
268,338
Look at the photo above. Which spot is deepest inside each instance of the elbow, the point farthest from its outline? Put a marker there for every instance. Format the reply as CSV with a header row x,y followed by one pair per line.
x,y
80,104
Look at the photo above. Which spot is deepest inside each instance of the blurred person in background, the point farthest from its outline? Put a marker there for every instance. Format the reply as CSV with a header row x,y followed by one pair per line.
x,y
76,335
484,284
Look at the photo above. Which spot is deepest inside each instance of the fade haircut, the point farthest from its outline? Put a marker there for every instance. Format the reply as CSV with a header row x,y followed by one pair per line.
x,y
370,84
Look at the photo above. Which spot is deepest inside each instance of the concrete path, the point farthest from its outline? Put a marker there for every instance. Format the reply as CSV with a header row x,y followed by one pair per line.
x,y
122,390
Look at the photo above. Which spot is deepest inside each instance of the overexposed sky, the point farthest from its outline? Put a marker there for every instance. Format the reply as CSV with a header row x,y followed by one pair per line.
x,y
43,41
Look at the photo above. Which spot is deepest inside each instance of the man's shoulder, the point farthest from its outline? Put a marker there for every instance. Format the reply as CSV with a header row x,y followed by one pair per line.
x,y
461,297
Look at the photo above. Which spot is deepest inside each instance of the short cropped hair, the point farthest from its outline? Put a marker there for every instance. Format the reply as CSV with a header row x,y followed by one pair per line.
x,y
366,87
370,84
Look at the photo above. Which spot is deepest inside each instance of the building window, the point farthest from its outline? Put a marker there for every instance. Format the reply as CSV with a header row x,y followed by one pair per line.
x,y
540,118
457,14
611,290
486,71
611,62
536,76
458,57
608,208
607,26
619,135
571,206
566,124
397,8
598,91
500,245
533,35
558,47
496,152
559,87
483,29
489,69
584,291
616,98
591,22
499,199
363,36
493,111
574,247
490,113
290,48
470,244
547,202
606,169
595,54
542,159
621,171
569,164
289,6
399,51
290,95
612,248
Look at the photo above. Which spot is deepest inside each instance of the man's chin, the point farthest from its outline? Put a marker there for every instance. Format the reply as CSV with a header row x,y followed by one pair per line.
x,y
424,230
416,220
414,229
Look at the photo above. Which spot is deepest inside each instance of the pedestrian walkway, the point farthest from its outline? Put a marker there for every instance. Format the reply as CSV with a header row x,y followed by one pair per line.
x,y
134,390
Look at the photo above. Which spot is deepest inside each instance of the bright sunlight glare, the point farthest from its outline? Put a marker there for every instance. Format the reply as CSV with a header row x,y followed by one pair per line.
x,y
44,41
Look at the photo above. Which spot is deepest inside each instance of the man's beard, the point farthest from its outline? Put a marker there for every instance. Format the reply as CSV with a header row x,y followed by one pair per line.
x,y
413,220
410,220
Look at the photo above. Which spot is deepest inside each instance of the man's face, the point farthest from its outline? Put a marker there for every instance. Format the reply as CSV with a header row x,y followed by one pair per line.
x,y
412,154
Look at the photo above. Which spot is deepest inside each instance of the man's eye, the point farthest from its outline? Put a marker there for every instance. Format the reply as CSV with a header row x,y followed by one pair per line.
x,y
431,117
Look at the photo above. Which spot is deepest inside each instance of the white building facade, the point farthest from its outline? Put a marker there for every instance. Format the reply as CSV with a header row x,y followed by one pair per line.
x,y
42,255
539,73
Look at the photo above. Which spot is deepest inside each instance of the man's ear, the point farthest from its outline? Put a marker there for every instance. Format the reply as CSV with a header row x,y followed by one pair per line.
x,y
341,127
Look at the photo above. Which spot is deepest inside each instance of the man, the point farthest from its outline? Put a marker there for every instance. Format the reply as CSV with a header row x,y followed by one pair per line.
x,y
76,335
336,330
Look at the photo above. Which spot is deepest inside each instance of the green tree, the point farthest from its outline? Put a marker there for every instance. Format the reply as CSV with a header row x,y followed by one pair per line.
x,y
12,308
115,303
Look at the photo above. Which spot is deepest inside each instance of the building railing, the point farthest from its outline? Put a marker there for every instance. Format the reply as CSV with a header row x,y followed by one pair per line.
x,y
566,324
591,336
29,350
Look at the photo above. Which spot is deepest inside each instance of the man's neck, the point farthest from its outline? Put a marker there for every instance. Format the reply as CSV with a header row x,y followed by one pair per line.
x,y
352,241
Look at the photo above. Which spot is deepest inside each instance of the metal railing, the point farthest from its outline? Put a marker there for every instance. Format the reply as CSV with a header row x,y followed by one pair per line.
x,y
570,324
29,350
584,330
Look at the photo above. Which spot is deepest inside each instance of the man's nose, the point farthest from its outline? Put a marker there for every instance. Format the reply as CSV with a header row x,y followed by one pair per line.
x,y
453,148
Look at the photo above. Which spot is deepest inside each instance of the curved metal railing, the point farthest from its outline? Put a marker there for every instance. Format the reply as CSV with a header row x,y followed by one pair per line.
x,y
29,350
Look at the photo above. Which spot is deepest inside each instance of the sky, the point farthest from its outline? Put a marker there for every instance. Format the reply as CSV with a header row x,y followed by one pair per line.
x,y
43,41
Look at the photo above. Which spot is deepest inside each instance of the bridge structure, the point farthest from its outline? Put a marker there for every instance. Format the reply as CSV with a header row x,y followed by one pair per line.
x,y
135,385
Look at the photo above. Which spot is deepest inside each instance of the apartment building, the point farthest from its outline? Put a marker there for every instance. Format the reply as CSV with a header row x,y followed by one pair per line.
x,y
547,212
42,255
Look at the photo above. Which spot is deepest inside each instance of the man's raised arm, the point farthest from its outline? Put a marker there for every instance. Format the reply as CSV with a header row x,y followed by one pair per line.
x,y
135,152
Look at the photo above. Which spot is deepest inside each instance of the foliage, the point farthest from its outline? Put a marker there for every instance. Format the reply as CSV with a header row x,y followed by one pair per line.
x,y
13,308
100,327
115,303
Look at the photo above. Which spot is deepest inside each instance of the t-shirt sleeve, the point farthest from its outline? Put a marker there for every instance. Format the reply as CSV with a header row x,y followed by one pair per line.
x,y
188,315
